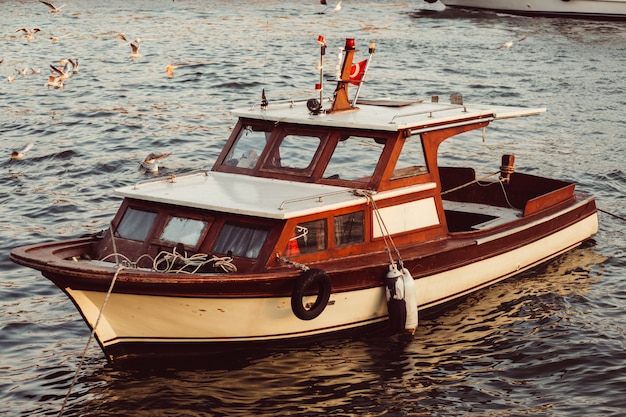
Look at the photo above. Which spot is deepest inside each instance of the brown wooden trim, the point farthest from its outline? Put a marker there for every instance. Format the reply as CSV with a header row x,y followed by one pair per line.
x,y
548,200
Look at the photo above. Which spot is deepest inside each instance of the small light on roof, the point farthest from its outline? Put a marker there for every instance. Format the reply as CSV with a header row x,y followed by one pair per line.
x,y
349,43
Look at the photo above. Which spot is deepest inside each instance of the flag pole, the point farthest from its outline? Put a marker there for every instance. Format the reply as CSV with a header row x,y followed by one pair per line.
x,y
322,43
372,48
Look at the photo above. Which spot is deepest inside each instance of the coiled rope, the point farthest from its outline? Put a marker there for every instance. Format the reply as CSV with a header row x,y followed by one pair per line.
x,y
173,262
169,261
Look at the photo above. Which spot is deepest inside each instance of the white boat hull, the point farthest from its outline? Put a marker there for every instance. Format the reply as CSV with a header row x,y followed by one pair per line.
x,y
606,9
148,319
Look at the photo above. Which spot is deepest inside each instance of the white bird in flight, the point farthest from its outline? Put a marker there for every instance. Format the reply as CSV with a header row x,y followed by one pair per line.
x,y
134,46
336,8
152,161
51,6
30,34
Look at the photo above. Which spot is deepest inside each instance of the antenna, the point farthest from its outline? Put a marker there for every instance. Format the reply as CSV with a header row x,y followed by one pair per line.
x,y
263,98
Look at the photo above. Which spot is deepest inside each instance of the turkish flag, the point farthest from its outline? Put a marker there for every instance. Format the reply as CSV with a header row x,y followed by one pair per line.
x,y
357,71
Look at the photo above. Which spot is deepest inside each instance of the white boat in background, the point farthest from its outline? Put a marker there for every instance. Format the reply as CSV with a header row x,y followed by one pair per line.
x,y
593,9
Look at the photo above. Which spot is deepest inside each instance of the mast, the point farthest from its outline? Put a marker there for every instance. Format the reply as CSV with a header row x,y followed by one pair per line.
x,y
341,101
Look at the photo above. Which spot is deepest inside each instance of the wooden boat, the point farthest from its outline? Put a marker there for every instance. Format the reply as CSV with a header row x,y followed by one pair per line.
x,y
593,9
319,216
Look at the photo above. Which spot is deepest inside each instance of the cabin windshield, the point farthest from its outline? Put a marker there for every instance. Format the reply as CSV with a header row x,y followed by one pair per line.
x,y
247,147
411,161
294,153
354,159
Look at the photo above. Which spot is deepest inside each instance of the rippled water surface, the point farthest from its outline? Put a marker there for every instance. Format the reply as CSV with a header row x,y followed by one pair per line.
x,y
550,343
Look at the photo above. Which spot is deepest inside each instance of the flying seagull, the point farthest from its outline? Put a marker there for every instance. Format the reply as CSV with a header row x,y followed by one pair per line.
x,y
51,6
134,46
324,3
30,34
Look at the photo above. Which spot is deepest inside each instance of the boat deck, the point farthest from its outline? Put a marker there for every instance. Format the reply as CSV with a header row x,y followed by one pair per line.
x,y
464,216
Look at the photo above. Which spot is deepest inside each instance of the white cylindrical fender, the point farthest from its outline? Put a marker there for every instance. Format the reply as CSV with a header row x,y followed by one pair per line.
x,y
395,285
410,299
396,306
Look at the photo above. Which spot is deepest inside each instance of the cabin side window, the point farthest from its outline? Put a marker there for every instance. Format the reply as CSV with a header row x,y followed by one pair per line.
x,y
247,148
354,158
349,229
135,225
183,230
411,161
240,240
308,237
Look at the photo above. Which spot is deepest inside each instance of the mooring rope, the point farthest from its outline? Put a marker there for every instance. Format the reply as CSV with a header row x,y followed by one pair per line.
x,y
506,197
293,263
91,336
383,227
612,214
477,180
501,182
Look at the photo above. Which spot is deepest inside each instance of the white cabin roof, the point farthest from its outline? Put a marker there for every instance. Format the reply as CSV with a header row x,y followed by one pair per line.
x,y
251,196
387,115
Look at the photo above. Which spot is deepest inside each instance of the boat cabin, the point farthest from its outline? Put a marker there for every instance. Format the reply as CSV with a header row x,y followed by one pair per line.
x,y
298,184
283,189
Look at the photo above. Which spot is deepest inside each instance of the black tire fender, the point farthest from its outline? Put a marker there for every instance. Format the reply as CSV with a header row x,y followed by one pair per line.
x,y
307,281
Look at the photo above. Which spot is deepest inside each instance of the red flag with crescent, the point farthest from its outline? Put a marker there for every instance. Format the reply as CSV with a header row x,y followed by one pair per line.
x,y
357,71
